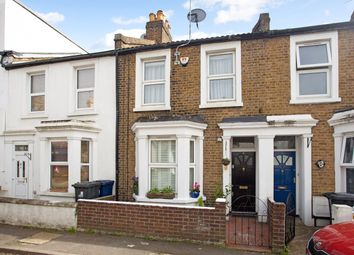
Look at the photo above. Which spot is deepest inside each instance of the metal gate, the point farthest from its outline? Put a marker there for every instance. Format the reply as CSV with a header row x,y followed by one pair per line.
x,y
290,214
248,223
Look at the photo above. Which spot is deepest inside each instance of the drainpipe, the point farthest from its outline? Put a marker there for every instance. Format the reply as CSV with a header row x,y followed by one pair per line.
x,y
117,127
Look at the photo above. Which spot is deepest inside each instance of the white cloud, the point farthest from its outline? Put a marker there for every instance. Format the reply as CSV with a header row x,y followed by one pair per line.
x,y
234,10
168,13
108,41
122,21
51,17
327,12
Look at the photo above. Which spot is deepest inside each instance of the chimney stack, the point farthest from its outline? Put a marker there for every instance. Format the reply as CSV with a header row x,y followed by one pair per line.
x,y
158,28
263,23
352,17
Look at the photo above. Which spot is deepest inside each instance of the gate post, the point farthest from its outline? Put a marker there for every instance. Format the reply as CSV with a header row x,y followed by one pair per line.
x,y
276,213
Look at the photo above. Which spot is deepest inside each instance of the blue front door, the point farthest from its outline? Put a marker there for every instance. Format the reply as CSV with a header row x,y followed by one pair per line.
x,y
284,175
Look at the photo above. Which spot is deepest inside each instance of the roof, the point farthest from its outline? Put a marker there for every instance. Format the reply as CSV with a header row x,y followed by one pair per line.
x,y
45,22
260,118
193,118
225,38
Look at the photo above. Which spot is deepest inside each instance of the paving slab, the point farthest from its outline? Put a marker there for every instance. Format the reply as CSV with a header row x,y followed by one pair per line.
x,y
96,243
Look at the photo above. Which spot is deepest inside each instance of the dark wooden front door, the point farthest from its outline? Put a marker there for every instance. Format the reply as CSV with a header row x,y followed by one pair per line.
x,y
243,181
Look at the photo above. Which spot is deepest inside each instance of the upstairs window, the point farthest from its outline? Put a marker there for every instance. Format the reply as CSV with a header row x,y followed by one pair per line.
x,y
152,80
220,75
314,71
85,88
37,93
313,68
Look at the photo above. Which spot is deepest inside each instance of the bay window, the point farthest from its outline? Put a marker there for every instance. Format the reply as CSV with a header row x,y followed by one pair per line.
x,y
163,164
85,161
59,167
169,155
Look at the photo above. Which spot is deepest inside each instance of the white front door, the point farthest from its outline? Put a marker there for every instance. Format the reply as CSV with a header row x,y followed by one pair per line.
x,y
20,173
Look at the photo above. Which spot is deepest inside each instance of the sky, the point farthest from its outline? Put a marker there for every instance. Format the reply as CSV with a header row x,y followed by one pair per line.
x,y
93,23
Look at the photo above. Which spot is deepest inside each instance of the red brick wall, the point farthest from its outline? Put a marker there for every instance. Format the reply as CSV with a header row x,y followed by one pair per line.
x,y
198,224
265,91
276,212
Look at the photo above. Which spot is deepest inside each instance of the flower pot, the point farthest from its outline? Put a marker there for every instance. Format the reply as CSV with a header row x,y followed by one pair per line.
x,y
194,194
161,195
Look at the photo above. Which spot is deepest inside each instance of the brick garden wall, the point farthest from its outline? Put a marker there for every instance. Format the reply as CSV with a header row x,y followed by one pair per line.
x,y
265,91
204,224
276,213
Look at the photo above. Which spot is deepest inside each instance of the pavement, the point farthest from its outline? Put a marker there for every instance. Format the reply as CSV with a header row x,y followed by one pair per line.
x,y
34,241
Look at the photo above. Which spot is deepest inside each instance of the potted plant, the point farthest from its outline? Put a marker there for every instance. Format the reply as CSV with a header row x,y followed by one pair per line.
x,y
195,190
226,161
165,193
135,180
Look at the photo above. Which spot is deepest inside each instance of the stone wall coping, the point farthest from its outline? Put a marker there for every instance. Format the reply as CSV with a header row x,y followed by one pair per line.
x,y
146,204
37,202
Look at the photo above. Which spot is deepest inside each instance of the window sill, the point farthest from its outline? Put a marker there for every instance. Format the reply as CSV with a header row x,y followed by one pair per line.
x,y
82,113
221,104
34,116
315,100
189,201
56,194
152,108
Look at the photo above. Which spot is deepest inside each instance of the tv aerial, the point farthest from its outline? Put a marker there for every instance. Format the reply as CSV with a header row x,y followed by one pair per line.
x,y
194,16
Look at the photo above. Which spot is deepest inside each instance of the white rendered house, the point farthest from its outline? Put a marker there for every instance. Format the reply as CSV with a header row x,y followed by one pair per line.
x,y
59,128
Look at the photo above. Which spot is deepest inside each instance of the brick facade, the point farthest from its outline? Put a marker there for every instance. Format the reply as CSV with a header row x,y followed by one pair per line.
x,y
265,91
276,212
166,222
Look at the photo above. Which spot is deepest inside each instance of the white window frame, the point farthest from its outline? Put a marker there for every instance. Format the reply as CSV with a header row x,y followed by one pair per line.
x,y
89,164
347,165
151,82
77,90
163,165
329,63
140,59
219,49
314,71
30,94
58,163
193,164
221,76
330,39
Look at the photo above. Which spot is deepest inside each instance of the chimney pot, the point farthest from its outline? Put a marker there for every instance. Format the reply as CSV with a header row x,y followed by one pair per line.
x,y
262,24
152,16
160,15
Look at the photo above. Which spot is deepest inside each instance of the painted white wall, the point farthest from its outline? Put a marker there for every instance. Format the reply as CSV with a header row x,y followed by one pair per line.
x,y
22,31
57,217
60,105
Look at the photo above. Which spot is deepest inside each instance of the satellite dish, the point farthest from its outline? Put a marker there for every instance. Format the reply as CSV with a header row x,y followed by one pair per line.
x,y
196,16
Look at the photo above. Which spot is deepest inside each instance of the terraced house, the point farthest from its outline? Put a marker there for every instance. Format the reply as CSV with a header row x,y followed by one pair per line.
x,y
277,103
